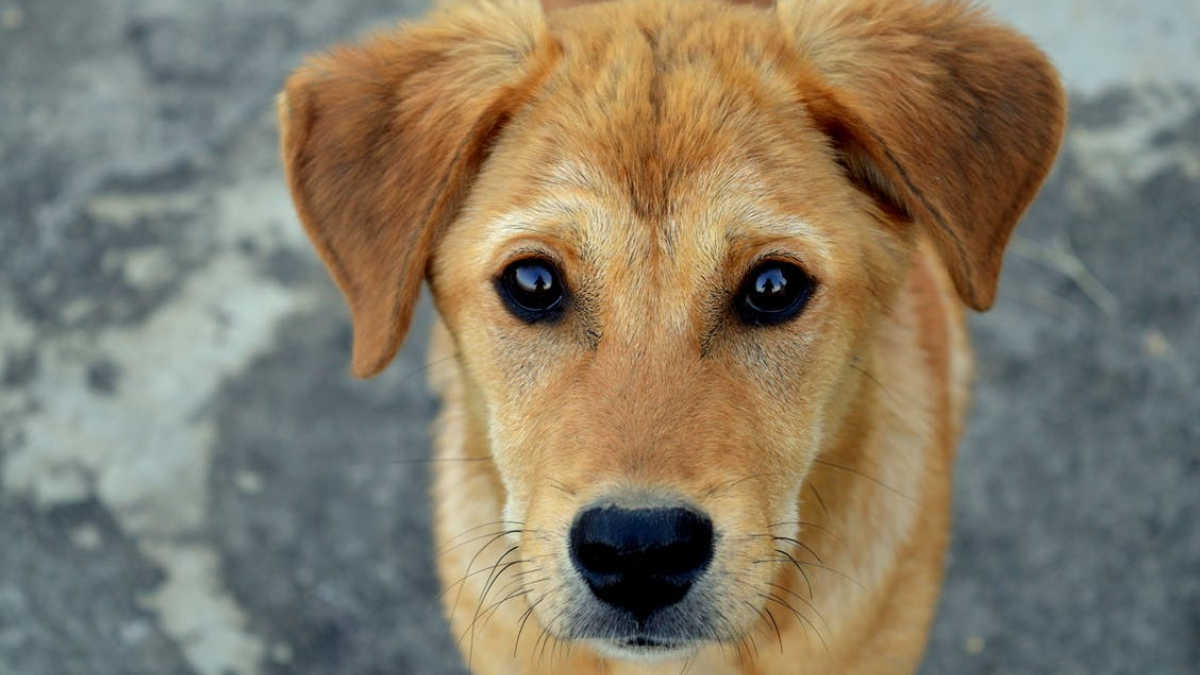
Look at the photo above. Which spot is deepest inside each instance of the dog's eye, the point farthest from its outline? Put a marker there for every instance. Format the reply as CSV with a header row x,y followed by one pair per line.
x,y
773,292
532,289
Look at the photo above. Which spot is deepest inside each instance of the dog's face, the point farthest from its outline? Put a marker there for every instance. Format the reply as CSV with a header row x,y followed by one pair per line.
x,y
657,306
659,237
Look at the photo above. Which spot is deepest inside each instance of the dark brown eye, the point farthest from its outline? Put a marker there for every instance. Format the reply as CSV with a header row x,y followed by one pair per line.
x,y
773,292
532,289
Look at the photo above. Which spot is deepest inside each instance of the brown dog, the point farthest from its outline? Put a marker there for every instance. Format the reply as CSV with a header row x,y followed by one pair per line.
x,y
698,270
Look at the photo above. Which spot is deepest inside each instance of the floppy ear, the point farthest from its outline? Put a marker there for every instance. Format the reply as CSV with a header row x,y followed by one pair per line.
x,y
381,141
942,115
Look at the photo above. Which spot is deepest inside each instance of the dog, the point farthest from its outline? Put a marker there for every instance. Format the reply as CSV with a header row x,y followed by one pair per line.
x,y
701,270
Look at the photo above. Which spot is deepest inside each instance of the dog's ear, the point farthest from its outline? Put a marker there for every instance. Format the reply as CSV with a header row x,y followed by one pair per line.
x,y
942,115
381,140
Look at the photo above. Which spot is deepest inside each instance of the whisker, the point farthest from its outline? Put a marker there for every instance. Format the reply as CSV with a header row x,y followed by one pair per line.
x,y
801,598
869,477
483,598
765,617
797,563
546,637
567,647
494,609
807,581
771,597
752,656
886,392
737,651
803,523
462,580
778,633
839,573
481,526
801,544
497,571
427,366
447,548
722,642
820,502
471,564
524,618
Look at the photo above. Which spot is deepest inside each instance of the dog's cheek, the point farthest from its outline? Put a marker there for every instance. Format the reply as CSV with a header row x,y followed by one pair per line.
x,y
534,437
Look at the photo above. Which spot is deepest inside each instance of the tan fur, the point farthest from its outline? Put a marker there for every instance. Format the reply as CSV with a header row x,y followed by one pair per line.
x,y
655,149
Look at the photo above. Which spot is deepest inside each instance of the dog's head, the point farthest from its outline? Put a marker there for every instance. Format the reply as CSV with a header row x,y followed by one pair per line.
x,y
659,233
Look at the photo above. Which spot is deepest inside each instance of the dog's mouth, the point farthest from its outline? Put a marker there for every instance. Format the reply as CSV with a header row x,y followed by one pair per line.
x,y
646,648
649,643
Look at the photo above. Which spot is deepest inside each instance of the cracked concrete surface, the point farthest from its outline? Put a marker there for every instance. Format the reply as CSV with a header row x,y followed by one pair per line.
x,y
191,483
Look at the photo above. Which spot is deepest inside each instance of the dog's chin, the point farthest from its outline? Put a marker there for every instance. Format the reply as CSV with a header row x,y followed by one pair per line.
x,y
644,649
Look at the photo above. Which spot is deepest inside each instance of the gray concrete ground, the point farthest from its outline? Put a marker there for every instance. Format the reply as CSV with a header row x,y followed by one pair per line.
x,y
190,482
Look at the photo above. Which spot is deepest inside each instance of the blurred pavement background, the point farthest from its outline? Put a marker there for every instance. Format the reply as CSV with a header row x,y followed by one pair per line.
x,y
192,484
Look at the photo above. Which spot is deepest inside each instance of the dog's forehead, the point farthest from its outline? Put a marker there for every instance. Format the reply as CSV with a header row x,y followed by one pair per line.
x,y
681,118
721,211
656,95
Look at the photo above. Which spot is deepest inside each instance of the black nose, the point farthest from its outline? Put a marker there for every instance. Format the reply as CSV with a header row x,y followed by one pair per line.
x,y
641,560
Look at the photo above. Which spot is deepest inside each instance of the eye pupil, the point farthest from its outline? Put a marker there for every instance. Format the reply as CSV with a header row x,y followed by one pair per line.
x,y
531,289
534,279
774,292
771,283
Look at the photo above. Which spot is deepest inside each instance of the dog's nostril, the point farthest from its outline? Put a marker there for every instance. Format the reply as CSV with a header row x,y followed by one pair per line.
x,y
641,560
